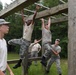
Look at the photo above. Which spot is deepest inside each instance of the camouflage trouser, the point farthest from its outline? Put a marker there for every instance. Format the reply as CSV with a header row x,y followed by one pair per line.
x,y
51,61
47,48
34,54
24,45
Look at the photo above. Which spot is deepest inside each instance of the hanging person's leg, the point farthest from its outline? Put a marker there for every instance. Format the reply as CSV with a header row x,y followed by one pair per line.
x,y
15,41
24,46
46,55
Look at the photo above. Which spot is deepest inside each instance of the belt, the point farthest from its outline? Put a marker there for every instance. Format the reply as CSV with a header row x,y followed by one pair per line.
x,y
47,43
26,40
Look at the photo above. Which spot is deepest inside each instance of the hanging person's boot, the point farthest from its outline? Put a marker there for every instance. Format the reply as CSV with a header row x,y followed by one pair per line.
x,y
43,61
18,64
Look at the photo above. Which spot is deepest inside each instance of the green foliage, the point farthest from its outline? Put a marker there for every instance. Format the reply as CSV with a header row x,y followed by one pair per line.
x,y
50,3
16,26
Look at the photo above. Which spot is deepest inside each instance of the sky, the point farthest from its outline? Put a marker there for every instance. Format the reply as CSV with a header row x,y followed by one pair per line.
x,y
5,1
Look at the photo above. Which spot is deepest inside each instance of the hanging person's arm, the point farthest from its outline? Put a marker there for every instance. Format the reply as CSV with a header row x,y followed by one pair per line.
x,y
43,25
37,8
23,18
49,22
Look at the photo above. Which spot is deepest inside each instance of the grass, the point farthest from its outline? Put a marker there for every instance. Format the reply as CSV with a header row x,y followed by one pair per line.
x,y
38,70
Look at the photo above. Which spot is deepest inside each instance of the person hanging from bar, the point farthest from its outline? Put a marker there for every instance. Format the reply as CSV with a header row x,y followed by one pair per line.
x,y
25,41
46,41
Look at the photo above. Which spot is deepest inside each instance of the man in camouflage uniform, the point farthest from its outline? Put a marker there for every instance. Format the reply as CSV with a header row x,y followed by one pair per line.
x,y
25,41
55,57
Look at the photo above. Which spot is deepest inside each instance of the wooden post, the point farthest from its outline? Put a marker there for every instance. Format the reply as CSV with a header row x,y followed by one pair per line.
x,y
25,60
25,64
72,38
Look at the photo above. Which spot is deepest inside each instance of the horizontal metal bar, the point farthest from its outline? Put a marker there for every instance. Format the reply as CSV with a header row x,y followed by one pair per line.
x,y
53,17
64,14
42,5
62,1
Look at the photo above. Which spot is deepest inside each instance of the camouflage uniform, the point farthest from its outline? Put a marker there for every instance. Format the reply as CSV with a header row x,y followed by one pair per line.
x,y
24,44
